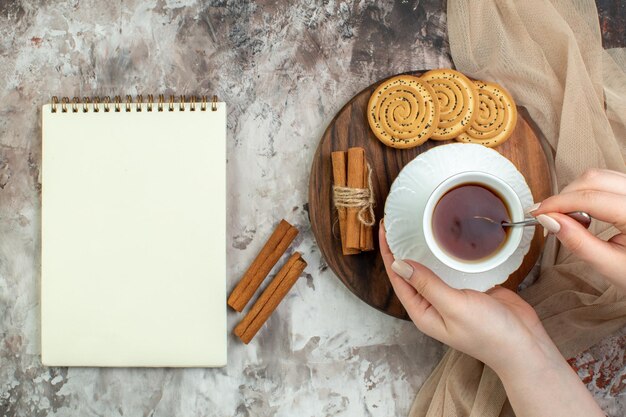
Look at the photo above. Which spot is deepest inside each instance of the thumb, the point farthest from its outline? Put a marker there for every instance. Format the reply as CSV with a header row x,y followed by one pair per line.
x,y
577,239
427,284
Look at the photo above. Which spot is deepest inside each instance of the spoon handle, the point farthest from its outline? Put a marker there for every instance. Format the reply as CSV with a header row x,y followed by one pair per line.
x,y
580,216
526,222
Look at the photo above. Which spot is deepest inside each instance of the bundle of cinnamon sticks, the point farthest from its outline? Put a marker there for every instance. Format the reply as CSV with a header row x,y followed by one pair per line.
x,y
272,251
351,171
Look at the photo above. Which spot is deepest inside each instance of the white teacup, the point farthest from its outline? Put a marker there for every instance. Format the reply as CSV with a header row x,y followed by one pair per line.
x,y
510,199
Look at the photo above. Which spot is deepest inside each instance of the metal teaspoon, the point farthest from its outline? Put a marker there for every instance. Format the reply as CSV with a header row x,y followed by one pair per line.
x,y
580,216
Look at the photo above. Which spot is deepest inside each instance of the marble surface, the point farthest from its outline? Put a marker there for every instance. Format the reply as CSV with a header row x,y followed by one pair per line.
x,y
284,69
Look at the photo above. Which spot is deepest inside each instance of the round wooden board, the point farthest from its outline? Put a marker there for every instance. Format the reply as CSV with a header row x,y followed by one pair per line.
x,y
364,274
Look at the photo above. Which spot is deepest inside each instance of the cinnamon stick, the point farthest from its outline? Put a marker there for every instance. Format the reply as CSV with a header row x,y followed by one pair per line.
x,y
275,247
270,298
339,180
367,235
356,161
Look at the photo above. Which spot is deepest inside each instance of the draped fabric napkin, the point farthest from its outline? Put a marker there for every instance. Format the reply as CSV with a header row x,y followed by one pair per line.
x,y
549,55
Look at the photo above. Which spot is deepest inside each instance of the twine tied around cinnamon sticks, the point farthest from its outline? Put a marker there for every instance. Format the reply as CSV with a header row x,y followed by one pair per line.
x,y
353,195
361,198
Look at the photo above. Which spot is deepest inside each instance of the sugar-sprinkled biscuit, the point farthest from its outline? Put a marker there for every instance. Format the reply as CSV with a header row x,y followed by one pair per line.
x,y
403,112
496,116
457,97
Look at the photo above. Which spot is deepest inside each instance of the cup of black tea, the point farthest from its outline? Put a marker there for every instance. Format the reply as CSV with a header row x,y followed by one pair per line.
x,y
463,221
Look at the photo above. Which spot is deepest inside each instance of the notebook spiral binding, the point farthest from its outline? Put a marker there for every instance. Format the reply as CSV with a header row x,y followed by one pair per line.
x,y
105,104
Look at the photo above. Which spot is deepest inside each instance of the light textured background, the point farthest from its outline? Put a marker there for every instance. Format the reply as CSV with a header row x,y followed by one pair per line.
x,y
284,69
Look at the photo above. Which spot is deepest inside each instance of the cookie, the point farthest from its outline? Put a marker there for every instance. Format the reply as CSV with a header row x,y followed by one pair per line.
x,y
403,112
495,119
457,97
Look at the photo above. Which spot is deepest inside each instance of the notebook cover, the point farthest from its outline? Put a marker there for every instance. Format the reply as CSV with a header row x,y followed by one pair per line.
x,y
133,238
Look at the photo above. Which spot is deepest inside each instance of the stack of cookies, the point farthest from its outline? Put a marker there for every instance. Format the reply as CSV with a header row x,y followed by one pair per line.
x,y
405,111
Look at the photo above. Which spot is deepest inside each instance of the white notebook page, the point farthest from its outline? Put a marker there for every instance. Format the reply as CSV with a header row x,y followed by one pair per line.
x,y
133,237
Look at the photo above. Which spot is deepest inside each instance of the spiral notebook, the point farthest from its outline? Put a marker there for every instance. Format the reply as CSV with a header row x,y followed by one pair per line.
x,y
133,232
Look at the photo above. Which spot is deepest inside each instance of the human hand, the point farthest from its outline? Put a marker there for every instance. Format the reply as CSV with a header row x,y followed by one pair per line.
x,y
602,194
497,327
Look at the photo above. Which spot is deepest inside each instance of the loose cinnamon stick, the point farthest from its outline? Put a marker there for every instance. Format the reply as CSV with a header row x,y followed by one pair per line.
x,y
356,161
339,179
271,297
367,235
277,244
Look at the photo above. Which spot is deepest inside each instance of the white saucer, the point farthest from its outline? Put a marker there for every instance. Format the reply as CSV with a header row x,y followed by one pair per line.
x,y
404,208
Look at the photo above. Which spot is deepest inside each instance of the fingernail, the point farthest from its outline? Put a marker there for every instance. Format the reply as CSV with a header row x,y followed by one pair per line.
x,y
549,224
532,208
402,268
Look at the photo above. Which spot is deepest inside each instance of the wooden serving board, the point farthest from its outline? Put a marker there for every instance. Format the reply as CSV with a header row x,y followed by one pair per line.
x,y
364,274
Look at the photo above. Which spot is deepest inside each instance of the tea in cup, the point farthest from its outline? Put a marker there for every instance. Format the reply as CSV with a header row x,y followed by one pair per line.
x,y
463,221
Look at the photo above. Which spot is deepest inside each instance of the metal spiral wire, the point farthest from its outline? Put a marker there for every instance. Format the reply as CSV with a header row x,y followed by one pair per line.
x,y
106,104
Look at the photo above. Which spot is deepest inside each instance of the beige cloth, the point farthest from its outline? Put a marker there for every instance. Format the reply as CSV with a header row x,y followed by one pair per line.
x,y
548,54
